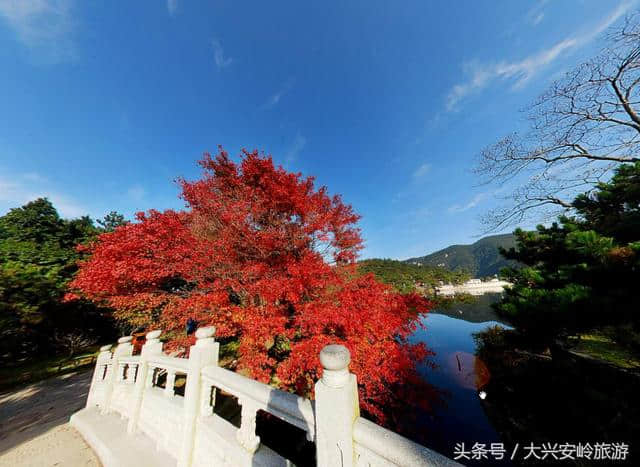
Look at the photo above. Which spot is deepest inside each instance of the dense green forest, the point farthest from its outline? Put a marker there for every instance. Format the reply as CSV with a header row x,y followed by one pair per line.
x,y
480,259
407,277
38,257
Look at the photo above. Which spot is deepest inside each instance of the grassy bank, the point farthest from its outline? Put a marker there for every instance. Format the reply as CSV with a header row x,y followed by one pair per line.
x,y
603,348
533,398
46,367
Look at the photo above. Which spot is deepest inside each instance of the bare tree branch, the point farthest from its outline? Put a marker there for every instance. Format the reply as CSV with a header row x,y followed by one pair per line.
x,y
580,129
73,341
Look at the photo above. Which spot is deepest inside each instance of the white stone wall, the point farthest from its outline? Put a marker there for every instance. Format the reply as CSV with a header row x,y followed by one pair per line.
x,y
162,419
121,399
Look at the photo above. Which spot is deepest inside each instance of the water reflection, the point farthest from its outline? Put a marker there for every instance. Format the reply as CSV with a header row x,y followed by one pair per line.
x,y
473,309
459,375
469,370
529,398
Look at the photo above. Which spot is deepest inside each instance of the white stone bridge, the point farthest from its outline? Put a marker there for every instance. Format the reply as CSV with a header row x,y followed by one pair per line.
x,y
130,420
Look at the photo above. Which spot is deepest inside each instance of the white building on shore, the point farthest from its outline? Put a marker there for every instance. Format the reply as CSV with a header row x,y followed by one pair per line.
x,y
473,287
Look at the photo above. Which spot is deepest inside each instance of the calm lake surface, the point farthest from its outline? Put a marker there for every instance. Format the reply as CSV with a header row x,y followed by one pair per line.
x,y
459,417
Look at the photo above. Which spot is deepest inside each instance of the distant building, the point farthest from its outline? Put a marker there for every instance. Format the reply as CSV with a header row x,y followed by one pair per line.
x,y
473,287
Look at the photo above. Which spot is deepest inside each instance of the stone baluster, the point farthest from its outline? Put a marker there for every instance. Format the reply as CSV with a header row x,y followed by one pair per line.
x,y
207,399
203,353
337,409
124,348
246,435
152,346
98,375
121,372
149,377
171,381
132,374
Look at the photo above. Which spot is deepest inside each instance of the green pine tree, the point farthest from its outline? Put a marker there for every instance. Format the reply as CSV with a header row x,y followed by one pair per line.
x,y
582,273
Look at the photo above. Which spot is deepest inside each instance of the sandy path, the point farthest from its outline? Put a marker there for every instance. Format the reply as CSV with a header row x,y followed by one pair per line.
x,y
34,429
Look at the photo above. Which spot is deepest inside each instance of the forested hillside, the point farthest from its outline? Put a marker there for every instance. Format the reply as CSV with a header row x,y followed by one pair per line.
x,y
480,259
407,277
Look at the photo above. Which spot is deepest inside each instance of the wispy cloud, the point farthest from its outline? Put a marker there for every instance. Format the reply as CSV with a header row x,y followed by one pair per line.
x,y
172,6
136,193
422,170
537,18
521,71
218,55
536,14
44,26
476,200
622,9
17,190
274,99
34,177
296,147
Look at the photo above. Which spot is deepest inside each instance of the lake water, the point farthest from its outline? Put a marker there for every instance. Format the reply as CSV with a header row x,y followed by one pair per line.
x,y
460,417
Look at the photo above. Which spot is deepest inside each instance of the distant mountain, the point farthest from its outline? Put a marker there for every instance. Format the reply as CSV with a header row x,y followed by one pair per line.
x,y
481,258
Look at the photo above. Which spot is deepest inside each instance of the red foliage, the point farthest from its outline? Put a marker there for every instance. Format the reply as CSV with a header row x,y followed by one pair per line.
x,y
269,260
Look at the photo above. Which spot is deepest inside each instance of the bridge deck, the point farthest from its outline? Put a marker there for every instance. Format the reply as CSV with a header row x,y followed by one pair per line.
x,y
107,434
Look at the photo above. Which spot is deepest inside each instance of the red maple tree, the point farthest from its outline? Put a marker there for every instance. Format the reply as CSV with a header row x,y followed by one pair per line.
x,y
270,261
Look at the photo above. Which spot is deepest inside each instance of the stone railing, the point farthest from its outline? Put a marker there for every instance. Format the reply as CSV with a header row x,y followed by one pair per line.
x,y
186,427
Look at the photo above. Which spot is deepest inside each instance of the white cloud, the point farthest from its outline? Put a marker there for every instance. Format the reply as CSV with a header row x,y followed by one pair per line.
x,y
45,26
34,177
477,199
18,190
172,6
422,170
521,71
218,55
67,208
274,99
296,147
136,193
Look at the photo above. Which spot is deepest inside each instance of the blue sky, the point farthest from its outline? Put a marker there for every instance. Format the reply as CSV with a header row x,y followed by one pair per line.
x,y
387,103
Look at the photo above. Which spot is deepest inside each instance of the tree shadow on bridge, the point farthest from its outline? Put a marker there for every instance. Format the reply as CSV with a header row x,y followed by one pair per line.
x,y
31,411
282,437
278,435
285,439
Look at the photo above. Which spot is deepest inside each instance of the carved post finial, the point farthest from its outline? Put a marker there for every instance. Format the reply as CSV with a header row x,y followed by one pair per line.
x,y
335,361
206,332
153,335
337,409
204,336
124,347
